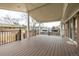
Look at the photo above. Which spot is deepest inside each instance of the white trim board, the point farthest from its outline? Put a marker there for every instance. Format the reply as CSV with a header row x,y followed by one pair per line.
x,y
72,15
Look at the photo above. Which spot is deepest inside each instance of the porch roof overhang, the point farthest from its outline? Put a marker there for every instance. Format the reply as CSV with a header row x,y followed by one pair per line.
x,y
42,12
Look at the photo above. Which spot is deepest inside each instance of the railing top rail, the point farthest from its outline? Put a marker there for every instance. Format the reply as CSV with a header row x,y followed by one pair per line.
x,y
8,30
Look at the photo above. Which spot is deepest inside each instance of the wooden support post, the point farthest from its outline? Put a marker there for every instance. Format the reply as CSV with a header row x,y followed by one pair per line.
x,y
39,29
28,26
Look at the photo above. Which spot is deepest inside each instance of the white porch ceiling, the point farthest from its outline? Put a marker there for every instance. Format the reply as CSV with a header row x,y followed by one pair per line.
x,y
46,12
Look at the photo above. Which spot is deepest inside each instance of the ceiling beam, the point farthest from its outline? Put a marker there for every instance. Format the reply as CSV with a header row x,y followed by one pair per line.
x,y
64,9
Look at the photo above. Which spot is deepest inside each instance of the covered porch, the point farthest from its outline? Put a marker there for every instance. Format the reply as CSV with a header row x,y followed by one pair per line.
x,y
30,40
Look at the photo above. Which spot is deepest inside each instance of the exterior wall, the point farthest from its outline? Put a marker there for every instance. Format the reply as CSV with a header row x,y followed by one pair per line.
x,y
71,29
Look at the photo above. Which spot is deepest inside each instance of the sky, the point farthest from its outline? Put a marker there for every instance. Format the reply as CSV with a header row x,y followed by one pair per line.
x,y
51,24
13,14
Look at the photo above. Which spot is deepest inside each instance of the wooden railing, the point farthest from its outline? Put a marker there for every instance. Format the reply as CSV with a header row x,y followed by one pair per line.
x,y
51,33
55,33
9,35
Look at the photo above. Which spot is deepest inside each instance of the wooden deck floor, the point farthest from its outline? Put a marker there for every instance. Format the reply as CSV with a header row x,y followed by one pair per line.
x,y
42,45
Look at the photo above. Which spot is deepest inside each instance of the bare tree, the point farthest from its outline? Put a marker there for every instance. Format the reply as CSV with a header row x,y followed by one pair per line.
x,y
7,18
24,17
10,20
15,21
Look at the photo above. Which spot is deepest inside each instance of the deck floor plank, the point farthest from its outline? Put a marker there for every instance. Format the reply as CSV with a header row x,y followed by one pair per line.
x,y
41,45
